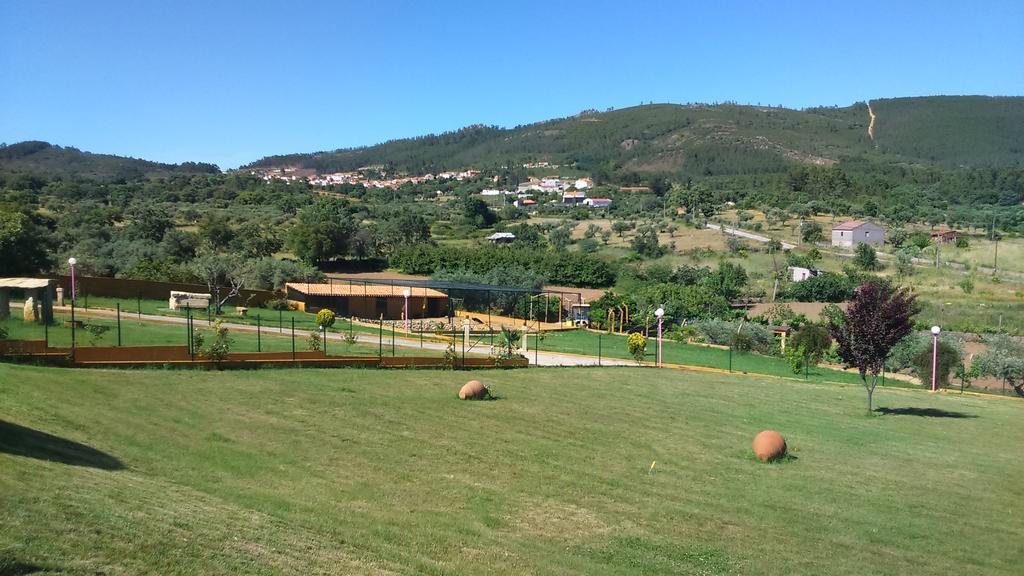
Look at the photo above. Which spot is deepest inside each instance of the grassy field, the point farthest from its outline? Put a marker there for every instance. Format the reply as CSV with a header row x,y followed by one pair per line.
x,y
614,346
374,472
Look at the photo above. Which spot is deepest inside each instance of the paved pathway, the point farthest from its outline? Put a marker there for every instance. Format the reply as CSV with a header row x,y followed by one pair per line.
x,y
748,235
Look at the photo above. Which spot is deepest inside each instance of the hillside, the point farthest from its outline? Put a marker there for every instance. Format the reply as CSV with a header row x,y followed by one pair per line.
x,y
46,159
704,140
607,471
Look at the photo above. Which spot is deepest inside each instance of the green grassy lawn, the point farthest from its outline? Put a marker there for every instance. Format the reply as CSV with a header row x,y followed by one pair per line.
x,y
135,333
614,346
374,472
263,316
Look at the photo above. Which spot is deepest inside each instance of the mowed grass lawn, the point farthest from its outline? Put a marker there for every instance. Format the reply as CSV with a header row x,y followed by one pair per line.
x,y
591,343
356,471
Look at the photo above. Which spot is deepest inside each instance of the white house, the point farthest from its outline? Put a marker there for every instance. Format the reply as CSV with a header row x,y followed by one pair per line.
x,y
799,273
501,237
572,197
583,183
849,234
597,202
550,184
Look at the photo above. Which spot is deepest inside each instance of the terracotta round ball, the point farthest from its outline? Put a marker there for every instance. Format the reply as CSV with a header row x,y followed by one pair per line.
x,y
472,390
769,445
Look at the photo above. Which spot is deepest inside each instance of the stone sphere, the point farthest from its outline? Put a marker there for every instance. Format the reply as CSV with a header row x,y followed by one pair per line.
x,y
473,389
769,445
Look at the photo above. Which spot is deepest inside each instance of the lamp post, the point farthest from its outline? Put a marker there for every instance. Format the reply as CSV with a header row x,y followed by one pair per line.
x,y
935,356
660,313
71,264
406,293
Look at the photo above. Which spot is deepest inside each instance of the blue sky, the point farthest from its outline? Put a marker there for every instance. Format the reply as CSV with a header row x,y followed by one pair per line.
x,y
230,82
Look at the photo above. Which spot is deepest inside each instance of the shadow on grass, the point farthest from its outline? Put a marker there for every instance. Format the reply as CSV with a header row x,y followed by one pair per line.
x,y
925,412
22,441
9,567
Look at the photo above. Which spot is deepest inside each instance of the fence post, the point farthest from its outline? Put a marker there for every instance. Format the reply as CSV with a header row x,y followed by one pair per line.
x,y
536,348
380,340
392,340
259,343
46,334
598,348
280,321
86,300
324,328
138,302
730,358
189,335
293,339
119,324
209,316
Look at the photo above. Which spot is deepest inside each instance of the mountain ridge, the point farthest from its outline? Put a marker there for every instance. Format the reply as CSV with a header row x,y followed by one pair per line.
x,y
972,131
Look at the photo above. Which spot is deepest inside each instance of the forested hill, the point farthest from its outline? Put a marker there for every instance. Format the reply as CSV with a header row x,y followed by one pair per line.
x,y
705,140
45,159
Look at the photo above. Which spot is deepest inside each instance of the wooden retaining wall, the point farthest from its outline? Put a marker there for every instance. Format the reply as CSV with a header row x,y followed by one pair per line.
x,y
148,356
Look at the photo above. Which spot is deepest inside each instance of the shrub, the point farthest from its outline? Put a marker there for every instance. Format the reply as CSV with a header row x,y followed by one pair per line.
x,y
221,345
313,341
967,284
808,347
865,257
3,333
815,341
741,342
721,332
636,343
278,304
96,332
825,287
948,357
325,318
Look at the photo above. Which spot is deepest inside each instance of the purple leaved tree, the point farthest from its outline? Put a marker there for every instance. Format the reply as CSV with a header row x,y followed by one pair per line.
x,y
878,317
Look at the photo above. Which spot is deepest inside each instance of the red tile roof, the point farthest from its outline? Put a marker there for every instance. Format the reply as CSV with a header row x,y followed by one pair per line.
x,y
360,289
850,225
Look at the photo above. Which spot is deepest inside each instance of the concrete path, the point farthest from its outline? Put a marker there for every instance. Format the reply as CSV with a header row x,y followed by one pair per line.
x,y
747,235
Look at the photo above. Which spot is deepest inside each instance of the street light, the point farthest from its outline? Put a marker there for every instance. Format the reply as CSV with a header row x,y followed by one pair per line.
x,y
406,293
71,264
935,356
660,313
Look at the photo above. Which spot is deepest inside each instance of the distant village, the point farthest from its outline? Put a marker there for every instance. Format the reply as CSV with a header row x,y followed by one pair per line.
x,y
572,191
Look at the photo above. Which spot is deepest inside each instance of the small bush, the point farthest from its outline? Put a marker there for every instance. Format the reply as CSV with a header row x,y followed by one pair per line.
x,y
949,357
278,304
636,343
741,342
220,347
325,318
721,332
314,342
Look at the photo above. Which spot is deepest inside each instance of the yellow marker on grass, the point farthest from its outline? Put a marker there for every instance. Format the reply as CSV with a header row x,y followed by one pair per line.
x,y
653,462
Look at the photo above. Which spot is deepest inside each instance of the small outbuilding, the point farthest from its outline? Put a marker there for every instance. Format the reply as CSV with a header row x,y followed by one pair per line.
x,y
40,290
368,300
853,232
